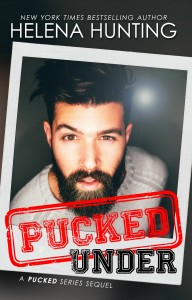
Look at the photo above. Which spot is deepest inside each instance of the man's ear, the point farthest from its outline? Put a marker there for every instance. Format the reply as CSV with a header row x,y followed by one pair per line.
x,y
47,129
128,132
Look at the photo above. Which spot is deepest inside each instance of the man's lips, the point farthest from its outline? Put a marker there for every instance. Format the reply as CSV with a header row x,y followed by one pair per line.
x,y
89,184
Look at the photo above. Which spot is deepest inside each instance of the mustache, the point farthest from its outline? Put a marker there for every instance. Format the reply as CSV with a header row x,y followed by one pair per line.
x,y
98,175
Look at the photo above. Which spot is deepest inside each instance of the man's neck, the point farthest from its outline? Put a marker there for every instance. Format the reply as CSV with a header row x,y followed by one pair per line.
x,y
53,184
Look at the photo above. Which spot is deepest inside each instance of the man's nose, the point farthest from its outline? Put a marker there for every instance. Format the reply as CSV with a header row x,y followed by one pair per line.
x,y
90,157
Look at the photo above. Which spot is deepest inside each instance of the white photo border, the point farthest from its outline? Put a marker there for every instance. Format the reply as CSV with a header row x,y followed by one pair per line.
x,y
21,50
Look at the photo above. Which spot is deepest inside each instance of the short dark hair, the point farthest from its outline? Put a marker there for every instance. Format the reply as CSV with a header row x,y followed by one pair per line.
x,y
77,82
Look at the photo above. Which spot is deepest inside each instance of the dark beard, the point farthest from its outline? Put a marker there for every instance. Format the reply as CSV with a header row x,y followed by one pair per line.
x,y
69,193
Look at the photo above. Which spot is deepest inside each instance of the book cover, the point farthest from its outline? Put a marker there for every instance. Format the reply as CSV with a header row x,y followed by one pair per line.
x,y
95,149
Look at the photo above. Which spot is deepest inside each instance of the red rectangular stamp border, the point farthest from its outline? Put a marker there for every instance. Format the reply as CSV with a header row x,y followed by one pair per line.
x,y
140,197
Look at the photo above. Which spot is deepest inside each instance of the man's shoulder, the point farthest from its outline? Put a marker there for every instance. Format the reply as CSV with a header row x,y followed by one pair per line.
x,y
145,170
33,192
143,162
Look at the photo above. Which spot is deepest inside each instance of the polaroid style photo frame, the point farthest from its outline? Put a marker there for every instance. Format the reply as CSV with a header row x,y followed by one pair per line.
x,y
161,117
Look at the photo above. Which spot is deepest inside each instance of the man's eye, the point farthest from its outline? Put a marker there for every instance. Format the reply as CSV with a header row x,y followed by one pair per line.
x,y
69,137
108,138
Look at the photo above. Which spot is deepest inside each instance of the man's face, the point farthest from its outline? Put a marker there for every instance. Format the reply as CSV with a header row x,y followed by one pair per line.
x,y
87,138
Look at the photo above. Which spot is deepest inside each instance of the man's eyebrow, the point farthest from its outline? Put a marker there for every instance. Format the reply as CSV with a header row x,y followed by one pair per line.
x,y
68,127
111,130
106,131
